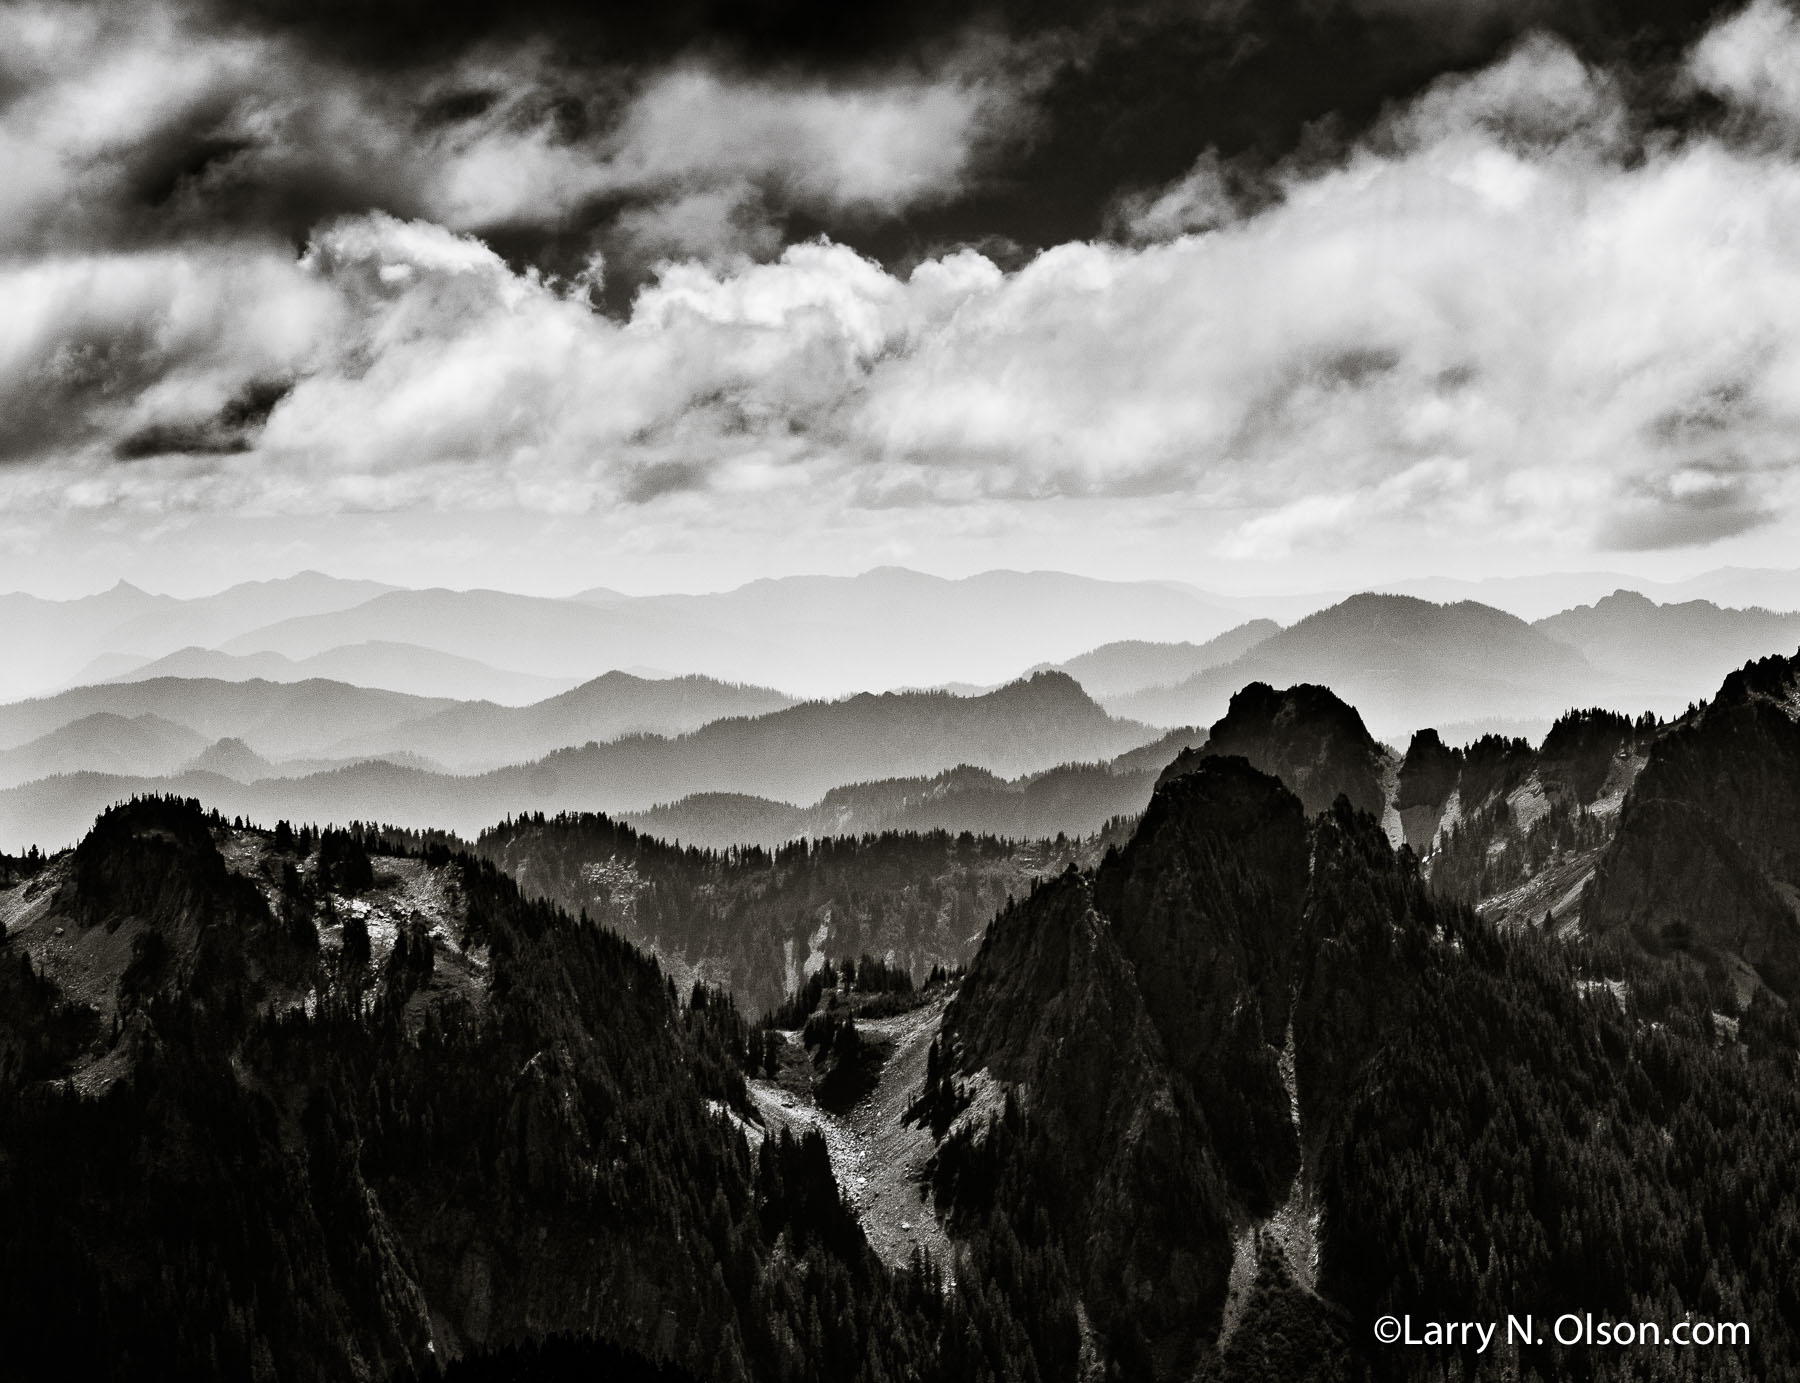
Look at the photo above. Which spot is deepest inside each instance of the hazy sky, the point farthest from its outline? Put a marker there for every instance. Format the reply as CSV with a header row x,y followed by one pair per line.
x,y
1303,293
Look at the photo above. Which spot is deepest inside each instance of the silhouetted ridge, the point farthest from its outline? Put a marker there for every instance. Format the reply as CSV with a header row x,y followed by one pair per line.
x,y
1306,736
1428,773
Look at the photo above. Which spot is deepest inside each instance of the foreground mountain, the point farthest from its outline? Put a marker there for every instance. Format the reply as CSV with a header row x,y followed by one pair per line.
x,y
1404,663
795,754
1308,737
331,1108
1251,1084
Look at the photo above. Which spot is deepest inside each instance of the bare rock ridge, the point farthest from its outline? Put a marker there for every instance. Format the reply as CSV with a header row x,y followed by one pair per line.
x,y
1306,736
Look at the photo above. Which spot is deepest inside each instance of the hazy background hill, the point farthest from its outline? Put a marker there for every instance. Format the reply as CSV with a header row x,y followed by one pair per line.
x,y
1466,668
812,635
278,720
1403,662
51,643
142,744
397,667
1117,669
1074,800
482,735
797,754
318,718
1673,653
1538,596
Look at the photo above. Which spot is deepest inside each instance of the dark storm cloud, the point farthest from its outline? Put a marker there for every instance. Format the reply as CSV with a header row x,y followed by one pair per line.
x,y
1121,102
1320,266
233,429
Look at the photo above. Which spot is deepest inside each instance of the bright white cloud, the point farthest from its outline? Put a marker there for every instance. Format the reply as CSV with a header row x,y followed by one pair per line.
x,y
1752,61
1487,321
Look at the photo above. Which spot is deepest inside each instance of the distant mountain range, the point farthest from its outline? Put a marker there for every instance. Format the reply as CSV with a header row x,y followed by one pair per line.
x,y
144,744
385,666
796,754
50,643
815,636
1403,662
1674,653
810,636
1407,663
278,720
324,719
1116,670
481,735
1076,800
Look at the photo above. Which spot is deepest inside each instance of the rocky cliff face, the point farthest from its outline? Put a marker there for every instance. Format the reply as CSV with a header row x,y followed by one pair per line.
x,y
1305,736
1707,856
1254,1082
1118,1039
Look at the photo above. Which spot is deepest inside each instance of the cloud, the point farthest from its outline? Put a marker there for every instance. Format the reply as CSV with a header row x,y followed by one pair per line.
x,y
1506,313
137,125
1752,62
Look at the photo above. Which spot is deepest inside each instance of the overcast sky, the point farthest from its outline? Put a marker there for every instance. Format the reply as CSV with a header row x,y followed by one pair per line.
x,y
1271,294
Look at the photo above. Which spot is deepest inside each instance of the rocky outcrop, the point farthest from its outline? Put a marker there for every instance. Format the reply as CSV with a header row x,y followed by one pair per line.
x,y
1307,737
1707,853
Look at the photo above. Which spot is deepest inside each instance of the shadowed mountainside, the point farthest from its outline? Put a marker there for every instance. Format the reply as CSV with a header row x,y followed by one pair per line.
x,y
1706,862
322,1108
761,922
1278,1026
